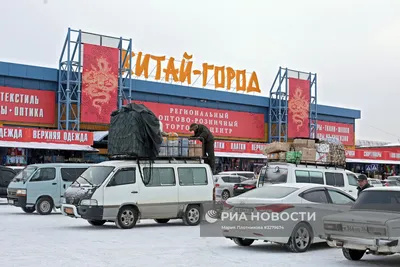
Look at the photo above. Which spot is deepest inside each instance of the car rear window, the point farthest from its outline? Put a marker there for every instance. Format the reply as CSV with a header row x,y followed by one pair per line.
x,y
384,201
270,192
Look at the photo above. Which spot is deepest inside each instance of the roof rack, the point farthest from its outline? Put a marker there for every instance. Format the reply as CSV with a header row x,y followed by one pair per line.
x,y
162,159
325,164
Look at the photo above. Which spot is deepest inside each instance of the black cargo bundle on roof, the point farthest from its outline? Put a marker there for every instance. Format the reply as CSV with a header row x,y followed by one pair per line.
x,y
135,131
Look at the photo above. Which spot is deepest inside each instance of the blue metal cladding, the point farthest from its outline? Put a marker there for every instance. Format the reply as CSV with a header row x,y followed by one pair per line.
x,y
33,77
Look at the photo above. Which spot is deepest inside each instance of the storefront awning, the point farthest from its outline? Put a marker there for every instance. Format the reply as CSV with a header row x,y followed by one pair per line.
x,y
373,161
51,146
240,155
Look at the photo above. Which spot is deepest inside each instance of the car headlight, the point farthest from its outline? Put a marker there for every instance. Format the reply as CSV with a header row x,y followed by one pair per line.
x,y
63,200
88,202
21,192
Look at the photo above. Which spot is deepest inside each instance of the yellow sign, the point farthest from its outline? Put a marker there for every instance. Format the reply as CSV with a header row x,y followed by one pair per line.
x,y
224,77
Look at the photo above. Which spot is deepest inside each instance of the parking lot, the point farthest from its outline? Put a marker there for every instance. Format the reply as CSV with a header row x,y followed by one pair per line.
x,y
55,240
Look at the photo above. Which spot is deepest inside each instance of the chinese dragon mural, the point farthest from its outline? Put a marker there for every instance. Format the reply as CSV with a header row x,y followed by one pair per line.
x,y
99,83
299,108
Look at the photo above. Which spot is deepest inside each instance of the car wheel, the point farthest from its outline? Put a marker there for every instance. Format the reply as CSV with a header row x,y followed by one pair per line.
x,y
127,217
162,220
28,210
96,222
225,195
301,238
44,206
192,215
243,242
352,254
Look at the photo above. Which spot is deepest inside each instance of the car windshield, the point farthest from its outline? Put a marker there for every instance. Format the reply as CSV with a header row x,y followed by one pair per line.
x,y
378,200
274,192
273,174
24,174
94,175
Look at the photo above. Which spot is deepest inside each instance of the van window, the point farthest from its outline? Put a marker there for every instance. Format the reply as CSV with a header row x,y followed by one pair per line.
x,y
159,176
192,176
352,179
334,179
94,175
123,177
312,177
44,174
316,196
71,174
273,174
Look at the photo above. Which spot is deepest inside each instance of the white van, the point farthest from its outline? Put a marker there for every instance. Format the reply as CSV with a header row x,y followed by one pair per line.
x,y
124,192
281,172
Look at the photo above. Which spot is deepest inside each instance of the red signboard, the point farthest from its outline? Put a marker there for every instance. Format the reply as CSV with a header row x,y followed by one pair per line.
x,y
223,123
299,108
25,105
46,136
369,154
344,132
99,83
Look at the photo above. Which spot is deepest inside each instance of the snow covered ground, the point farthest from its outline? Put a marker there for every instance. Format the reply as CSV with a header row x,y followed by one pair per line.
x,y
55,240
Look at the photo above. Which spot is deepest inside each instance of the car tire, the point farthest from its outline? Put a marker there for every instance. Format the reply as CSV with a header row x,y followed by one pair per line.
x,y
352,254
301,238
127,217
96,222
162,220
44,206
28,210
243,242
225,195
192,216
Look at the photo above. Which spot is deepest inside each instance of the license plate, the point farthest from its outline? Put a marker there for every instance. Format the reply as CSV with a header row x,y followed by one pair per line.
x,y
69,211
10,201
354,229
244,210
240,188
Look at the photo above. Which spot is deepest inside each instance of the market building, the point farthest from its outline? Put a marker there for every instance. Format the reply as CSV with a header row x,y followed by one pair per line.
x,y
49,115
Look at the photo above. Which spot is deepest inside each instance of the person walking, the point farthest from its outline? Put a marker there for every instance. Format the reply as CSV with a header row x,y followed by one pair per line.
x,y
362,183
207,138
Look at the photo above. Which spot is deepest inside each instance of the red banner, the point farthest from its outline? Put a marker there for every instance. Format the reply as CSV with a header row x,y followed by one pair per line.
x,y
373,154
46,136
25,105
299,108
223,123
99,83
342,131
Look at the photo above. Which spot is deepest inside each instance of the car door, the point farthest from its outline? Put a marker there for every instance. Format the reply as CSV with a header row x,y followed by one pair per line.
x,y
121,189
43,183
340,201
159,194
352,184
316,203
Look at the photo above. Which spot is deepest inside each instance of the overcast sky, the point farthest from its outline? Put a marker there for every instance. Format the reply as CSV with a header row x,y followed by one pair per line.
x,y
353,46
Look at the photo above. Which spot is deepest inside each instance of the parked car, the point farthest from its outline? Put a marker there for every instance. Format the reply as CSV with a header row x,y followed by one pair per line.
x,y
244,187
6,175
124,192
280,172
224,185
375,182
287,198
391,183
370,226
40,186
249,175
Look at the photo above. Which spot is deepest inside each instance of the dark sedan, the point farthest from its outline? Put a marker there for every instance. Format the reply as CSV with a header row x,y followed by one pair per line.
x,y
243,187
